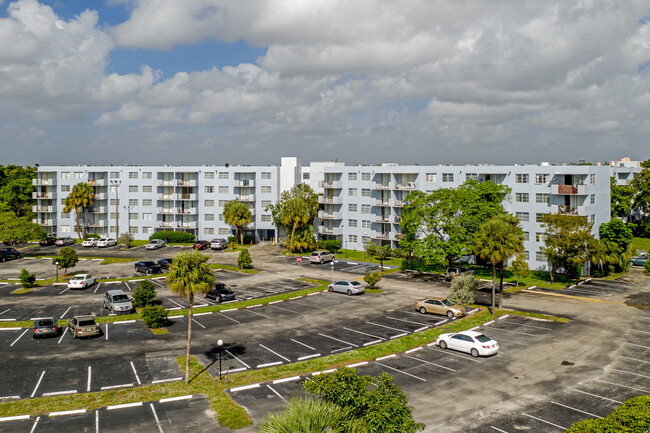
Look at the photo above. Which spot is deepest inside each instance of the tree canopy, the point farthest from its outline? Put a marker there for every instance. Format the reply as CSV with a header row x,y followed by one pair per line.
x,y
66,259
641,186
18,230
295,211
16,189
79,199
568,243
237,214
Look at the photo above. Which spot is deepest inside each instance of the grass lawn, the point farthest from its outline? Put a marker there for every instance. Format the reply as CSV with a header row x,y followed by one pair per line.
x,y
641,244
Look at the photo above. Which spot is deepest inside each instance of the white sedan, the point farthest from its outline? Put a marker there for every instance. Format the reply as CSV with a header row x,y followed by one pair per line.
x,y
472,342
81,281
90,242
106,242
154,244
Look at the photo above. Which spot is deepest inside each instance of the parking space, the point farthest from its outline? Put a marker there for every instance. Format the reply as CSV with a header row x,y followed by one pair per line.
x,y
340,265
590,288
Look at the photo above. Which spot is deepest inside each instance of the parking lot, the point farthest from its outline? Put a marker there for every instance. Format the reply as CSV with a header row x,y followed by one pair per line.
x,y
612,290
340,265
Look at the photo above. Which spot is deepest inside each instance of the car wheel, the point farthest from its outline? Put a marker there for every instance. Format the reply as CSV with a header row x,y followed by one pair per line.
x,y
442,344
321,261
2,259
148,272
219,299
474,353
423,310
450,314
349,292
330,289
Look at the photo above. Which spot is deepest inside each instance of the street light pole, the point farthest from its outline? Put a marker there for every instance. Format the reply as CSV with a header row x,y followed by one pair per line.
x,y
57,271
117,183
128,216
332,266
220,343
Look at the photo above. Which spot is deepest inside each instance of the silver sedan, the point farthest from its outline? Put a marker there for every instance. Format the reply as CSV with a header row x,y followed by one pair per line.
x,y
346,286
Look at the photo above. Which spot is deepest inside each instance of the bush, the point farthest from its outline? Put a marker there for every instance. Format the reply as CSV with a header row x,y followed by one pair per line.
x,y
154,316
27,279
174,237
144,295
464,289
232,240
631,416
244,260
67,259
372,278
125,239
248,240
646,268
332,246
91,236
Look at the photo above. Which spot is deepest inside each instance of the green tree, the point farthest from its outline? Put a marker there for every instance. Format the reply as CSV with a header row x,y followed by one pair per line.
x,y
27,279
646,268
616,231
144,295
621,199
79,199
310,415
614,248
568,243
238,215
641,186
125,239
16,189
244,260
18,230
372,278
67,259
464,290
447,219
296,209
381,252
497,240
520,268
190,275
377,400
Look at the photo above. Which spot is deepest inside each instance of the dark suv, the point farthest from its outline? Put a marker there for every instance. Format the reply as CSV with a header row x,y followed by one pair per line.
x,y
456,271
147,267
8,253
47,241
220,292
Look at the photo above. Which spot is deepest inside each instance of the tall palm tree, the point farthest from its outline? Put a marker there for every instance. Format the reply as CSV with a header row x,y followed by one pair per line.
x,y
190,274
69,204
237,214
84,196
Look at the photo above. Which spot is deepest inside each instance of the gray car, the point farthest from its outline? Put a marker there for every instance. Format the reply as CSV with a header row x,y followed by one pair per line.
x,y
117,302
154,244
639,260
349,287
321,256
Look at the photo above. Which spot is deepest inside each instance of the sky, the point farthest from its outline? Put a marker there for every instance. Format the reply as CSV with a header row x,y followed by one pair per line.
x,y
366,81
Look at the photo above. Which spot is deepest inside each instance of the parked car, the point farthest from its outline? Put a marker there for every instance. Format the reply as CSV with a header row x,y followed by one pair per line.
x,y
154,244
106,242
472,342
147,267
220,292
347,286
90,242
83,326
439,306
218,244
50,240
201,245
116,301
64,241
46,327
8,253
321,257
81,281
165,263
639,260
456,271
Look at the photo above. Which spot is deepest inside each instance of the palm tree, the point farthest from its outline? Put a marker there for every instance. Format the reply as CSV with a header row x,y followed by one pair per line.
x,y
84,195
313,416
190,274
498,239
237,214
69,204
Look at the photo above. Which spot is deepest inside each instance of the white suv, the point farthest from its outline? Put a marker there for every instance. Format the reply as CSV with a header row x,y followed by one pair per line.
x,y
116,301
321,256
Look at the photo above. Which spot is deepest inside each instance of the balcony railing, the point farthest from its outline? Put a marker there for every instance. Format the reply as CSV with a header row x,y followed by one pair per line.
x,y
167,210
380,202
44,222
101,196
382,235
97,182
98,209
187,225
333,184
99,223
382,219
330,215
166,182
246,183
166,224
569,189
382,185
335,231
187,210
185,196
405,185
186,182
42,208
46,181
41,195
246,198
330,200
398,203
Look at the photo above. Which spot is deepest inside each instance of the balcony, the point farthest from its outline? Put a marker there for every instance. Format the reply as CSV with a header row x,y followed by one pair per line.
x,y
187,225
98,209
383,235
384,219
191,197
332,184
382,203
97,182
246,198
166,196
330,215
569,210
246,183
42,208
43,195
187,210
41,181
334,231
330,200
166,182
167,210
186,182
166,224
44,222
398,203
408,186
383,185
101,196
99,223
569,189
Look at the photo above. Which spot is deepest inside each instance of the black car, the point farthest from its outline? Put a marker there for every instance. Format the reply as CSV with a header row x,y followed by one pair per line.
x,y
45,327
220,292
8,253
47,241
147,267
165,263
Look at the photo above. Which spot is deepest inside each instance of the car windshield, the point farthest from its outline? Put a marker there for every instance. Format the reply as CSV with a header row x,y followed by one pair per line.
x,y
448,303
148,263
120,298
222,288
76,278
482,338
102,240
87,322
153,242
45,323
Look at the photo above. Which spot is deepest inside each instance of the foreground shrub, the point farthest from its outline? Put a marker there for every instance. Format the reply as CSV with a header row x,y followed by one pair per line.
x,y
27,279
372,278
244,260
144,295
464,289
174,237
631,416
154,316
125,239
312,415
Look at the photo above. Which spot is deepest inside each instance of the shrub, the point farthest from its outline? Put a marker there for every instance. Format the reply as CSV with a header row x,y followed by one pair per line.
x,y
125,239
232,245
372,278
27,279
232,240
464,289
631,416
154,316
144,295
244,260
91,236
646,268
332,246
313,415
174,237
248,240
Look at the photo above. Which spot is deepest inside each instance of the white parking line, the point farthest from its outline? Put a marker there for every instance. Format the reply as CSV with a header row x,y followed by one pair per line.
x,y
598,396
529,326
280,308
155,416
124,406
52,394
229,318
135,373
245,387
124,385
623,386
275,392
336,339
303,344
429,362
198,323
38,418
11,329
492,328
342,349
63,291
275,353
258,314
127,286
407,321
97,421
435,348
241,362
63,334
172,379
90,375
8,309
153,280
577,410
363,333
498,429
66,312
174,302
106,331
633,330
628,372
403,372
97,288
544,421
68,412
286,379
269,364
14,418
315,355
19,337
387,327
633,359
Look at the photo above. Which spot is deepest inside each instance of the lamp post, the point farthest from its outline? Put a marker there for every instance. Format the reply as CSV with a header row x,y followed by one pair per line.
x,y
117,183
332,266
57,271
220,343
128,216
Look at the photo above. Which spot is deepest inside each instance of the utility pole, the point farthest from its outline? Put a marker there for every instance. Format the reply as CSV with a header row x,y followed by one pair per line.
x,y
117,183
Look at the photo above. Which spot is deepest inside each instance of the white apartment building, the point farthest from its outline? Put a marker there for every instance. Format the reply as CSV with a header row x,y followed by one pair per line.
x,y
359,203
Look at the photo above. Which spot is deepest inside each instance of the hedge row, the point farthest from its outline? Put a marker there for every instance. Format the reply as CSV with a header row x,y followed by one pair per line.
x,y
173,237
631,416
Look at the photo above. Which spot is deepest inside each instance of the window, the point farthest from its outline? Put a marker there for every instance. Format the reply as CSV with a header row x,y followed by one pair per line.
x,y
115,174
365,176
352,207
540,237
352,223
220,217
209,189
146,175
542,198
62,202
65,188
133,188
540,257
208,175
541,178
65,214
222,203
431,177
78,175
305,176
208,217
365,192
593,219
593,199
365,239
352,176
133,174
146,202
147,230
592,179
133,202
365,224
147,188
223,231
526,236
522,216
266,218
114,188
352,192
147,217
521,197
133,215
526,255
65,175
112,215
266,175
65,229
223,175
365,208
208,231
352,238
447,177
223,189
539,217
133,230
521,178
266,203
471,176
114,202
208,203
266,190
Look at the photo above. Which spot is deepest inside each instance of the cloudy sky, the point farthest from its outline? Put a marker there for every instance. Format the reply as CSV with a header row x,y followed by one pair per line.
x,y
363,81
